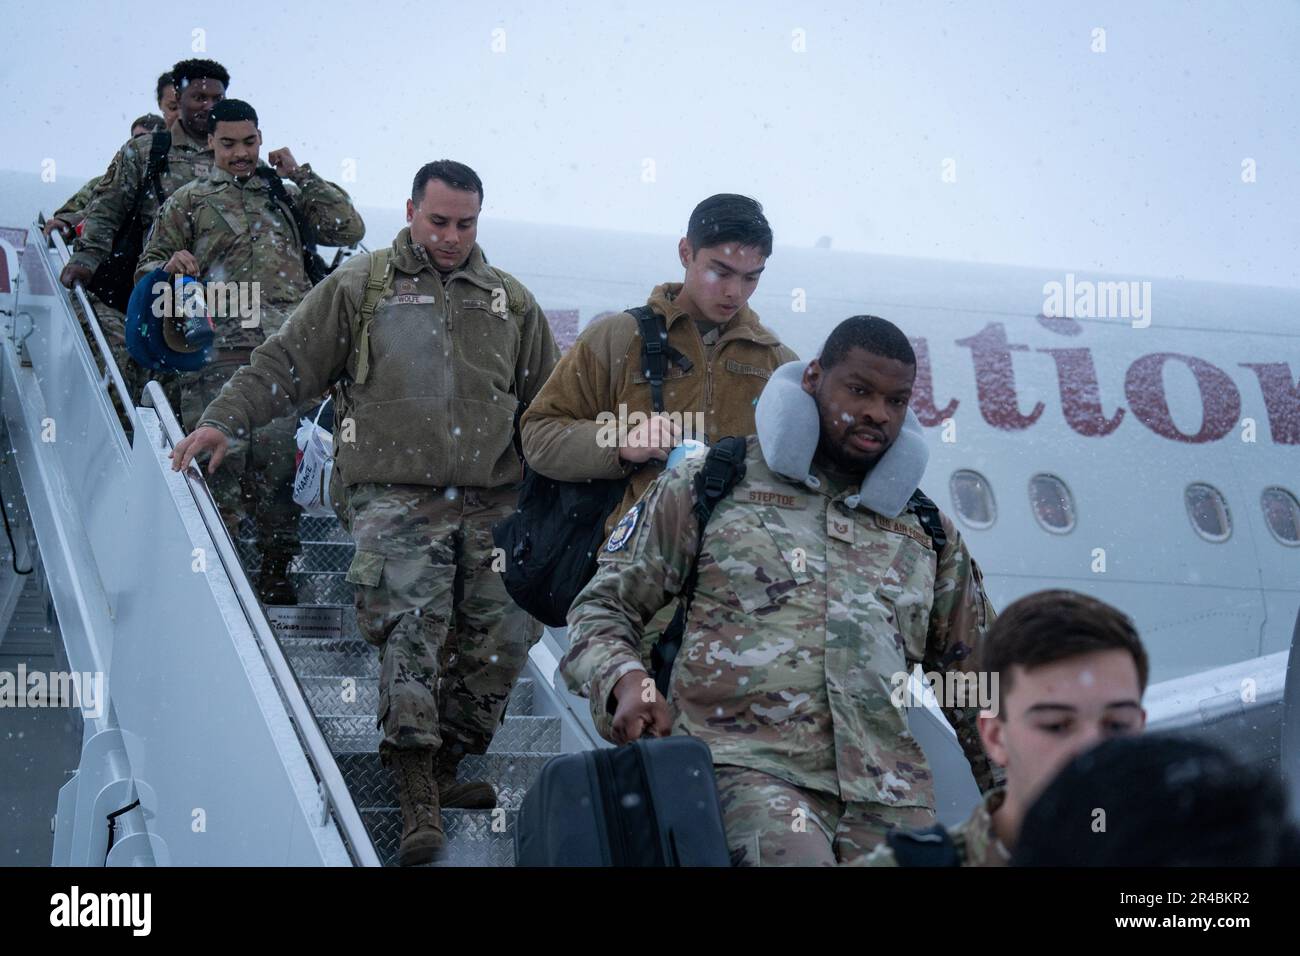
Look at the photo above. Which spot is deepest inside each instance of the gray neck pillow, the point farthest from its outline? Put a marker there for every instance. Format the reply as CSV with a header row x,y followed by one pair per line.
x,y
788,430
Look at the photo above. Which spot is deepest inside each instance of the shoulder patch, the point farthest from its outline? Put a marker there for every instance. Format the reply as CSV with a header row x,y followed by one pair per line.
x,y
623,530
110,174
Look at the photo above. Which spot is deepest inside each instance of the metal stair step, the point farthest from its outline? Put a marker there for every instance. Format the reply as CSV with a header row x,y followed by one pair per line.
x,y
329,587
322,557
474,837
339,695
519,734
512,774
316,657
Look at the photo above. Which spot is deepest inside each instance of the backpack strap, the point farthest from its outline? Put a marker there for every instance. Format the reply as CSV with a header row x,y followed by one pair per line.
x,y
306,232
724,468
378,281
933,846
159,147
152,177
927,512
656,352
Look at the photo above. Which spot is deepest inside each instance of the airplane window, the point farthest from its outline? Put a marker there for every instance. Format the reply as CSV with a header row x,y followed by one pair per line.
x,y
1209,512
973,498
1052,503
1282,514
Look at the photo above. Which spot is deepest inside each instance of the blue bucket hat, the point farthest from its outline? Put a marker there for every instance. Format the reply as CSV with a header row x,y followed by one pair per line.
x,y
167,324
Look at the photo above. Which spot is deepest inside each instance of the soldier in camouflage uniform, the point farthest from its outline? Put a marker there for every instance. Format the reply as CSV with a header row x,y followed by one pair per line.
x,y
806,606
1072,671
431,350
226,226
68,216
201,84
66,219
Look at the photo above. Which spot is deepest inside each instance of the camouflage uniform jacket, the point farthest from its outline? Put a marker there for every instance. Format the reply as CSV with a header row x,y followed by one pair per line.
x,y
974,840
238,232
450,358
804,610
72,211
110,204
602,372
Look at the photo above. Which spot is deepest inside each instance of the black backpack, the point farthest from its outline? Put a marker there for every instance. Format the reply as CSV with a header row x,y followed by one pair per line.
x,y
114,280
552,538
312,261
932,846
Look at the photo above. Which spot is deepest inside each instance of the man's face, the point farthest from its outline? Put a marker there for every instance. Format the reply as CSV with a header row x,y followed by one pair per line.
x,y
170,104
445,223
196,101
862,401
235,147
720,279
1056,711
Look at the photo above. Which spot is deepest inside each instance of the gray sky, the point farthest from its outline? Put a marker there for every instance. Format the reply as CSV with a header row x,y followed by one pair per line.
x,y
1128,160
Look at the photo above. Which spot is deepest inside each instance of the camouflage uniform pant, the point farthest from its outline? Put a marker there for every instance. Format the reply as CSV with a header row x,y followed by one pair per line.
x,y
771,822
134,376
452,642
256,477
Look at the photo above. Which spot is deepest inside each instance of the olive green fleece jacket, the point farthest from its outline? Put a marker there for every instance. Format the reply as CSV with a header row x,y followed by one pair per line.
x,y
564,439
449,361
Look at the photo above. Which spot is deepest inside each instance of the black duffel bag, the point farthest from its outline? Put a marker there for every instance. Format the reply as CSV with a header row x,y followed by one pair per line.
x,y
552,539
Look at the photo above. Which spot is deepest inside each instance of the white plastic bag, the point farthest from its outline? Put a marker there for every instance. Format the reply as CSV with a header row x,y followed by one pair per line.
x,y
311,482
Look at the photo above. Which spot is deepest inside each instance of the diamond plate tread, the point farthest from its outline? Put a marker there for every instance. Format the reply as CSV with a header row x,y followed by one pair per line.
x,y
512,774
521,698
323,558
337,695
527,734
327,529
315,657
474,837
328,695
352,734
322,529
326,587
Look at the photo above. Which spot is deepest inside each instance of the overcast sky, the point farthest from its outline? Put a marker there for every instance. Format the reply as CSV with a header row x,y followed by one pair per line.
x,y
840,118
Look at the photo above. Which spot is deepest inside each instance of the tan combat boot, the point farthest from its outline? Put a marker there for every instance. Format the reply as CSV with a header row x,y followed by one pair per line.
x,y
417,795
472,795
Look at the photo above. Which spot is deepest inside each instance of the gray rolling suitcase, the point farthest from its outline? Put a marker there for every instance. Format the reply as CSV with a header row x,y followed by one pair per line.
x,y
650,803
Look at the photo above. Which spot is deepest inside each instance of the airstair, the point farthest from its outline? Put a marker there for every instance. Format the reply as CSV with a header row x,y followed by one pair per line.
x,y
228,733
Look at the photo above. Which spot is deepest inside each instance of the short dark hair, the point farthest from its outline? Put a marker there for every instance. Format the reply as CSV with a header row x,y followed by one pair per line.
x,y
454,174
1169,801
728,217
152,122
187,71
230,111
870,332
1050,626
164,81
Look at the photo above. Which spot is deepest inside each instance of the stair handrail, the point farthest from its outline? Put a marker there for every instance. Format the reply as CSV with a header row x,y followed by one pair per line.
x,y
333,788
112,375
